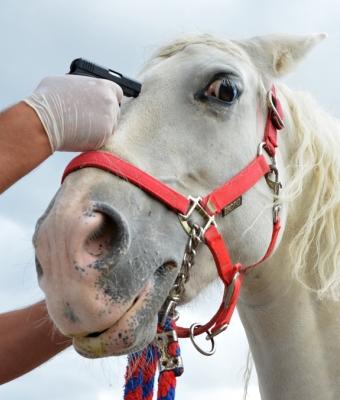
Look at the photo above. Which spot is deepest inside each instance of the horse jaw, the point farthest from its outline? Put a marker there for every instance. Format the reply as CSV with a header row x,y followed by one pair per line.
x,y
292,330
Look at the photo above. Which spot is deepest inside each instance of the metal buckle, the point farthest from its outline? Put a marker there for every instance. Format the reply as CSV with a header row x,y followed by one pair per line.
x,y
276,212
166,361
227,295
260,148
221,329
272,107
196,206
169,310
229,290
275,185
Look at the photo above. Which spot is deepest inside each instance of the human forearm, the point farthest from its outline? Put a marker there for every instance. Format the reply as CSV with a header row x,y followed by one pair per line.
x,y
23,143
27,339
65,113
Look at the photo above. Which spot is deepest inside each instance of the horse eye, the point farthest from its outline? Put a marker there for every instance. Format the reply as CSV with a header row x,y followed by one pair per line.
x,y
223,90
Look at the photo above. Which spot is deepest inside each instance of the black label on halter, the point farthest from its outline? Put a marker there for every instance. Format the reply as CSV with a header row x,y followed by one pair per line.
x,y
232,206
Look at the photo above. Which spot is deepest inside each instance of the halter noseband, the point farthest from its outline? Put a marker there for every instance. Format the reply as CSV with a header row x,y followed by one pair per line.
x,y
220,201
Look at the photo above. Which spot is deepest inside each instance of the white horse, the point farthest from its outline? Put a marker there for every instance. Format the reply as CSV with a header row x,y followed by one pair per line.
x,y
108,253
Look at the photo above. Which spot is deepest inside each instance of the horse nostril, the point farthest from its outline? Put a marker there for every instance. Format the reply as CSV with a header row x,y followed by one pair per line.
x,y
109,235
166,267
99,241
38,268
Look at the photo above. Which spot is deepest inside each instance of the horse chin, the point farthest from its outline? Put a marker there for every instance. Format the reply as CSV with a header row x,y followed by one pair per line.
x,y
132,332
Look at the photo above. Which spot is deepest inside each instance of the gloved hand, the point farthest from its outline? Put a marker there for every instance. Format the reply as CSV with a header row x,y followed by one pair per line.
x,y
78,113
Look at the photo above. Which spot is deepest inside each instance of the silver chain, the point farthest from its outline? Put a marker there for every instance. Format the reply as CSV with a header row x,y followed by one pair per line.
x,y
195,239
177,290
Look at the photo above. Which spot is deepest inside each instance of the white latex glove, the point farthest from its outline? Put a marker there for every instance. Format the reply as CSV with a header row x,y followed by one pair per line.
x,y
78,113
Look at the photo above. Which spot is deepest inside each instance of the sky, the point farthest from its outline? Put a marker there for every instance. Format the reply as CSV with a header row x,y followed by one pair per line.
x,y
41,38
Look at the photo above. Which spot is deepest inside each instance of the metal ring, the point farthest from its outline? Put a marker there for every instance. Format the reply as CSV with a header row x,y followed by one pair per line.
x,y
276,212
260,148
272,106
197,347
217,332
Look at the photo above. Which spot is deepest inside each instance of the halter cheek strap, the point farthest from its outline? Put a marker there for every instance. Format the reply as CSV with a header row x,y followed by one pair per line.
x,y
210,206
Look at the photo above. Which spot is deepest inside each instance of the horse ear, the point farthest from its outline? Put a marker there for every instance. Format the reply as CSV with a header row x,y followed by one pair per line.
x,y
277,55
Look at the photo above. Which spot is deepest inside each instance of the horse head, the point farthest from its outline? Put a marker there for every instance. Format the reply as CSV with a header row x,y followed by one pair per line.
x,y
108,253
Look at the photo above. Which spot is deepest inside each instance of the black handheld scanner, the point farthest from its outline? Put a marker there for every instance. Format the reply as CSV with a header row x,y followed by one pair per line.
x,y
80,66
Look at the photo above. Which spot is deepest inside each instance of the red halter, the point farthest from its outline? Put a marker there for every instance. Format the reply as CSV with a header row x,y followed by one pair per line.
x,y
209,206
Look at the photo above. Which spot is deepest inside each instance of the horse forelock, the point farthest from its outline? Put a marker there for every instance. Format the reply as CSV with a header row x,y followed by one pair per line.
x,y
182,43
314,169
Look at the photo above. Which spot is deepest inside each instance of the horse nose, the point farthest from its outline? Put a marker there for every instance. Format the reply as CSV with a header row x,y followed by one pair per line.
x,y
74,247
95,237
107,233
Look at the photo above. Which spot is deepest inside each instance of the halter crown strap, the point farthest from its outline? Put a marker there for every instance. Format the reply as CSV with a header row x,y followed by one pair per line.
x,y
274,122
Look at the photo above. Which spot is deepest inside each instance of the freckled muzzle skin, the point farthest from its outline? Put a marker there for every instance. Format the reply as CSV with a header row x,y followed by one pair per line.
x,y
104,265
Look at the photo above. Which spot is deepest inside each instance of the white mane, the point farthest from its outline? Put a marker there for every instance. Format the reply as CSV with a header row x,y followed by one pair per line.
x,y
314,165
314,169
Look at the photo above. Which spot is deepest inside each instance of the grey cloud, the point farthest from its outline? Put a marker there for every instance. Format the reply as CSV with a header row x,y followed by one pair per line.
x,y
40,38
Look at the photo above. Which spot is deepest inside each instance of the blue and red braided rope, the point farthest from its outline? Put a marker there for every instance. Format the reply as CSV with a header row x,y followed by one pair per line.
x,y
141,371
140,374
